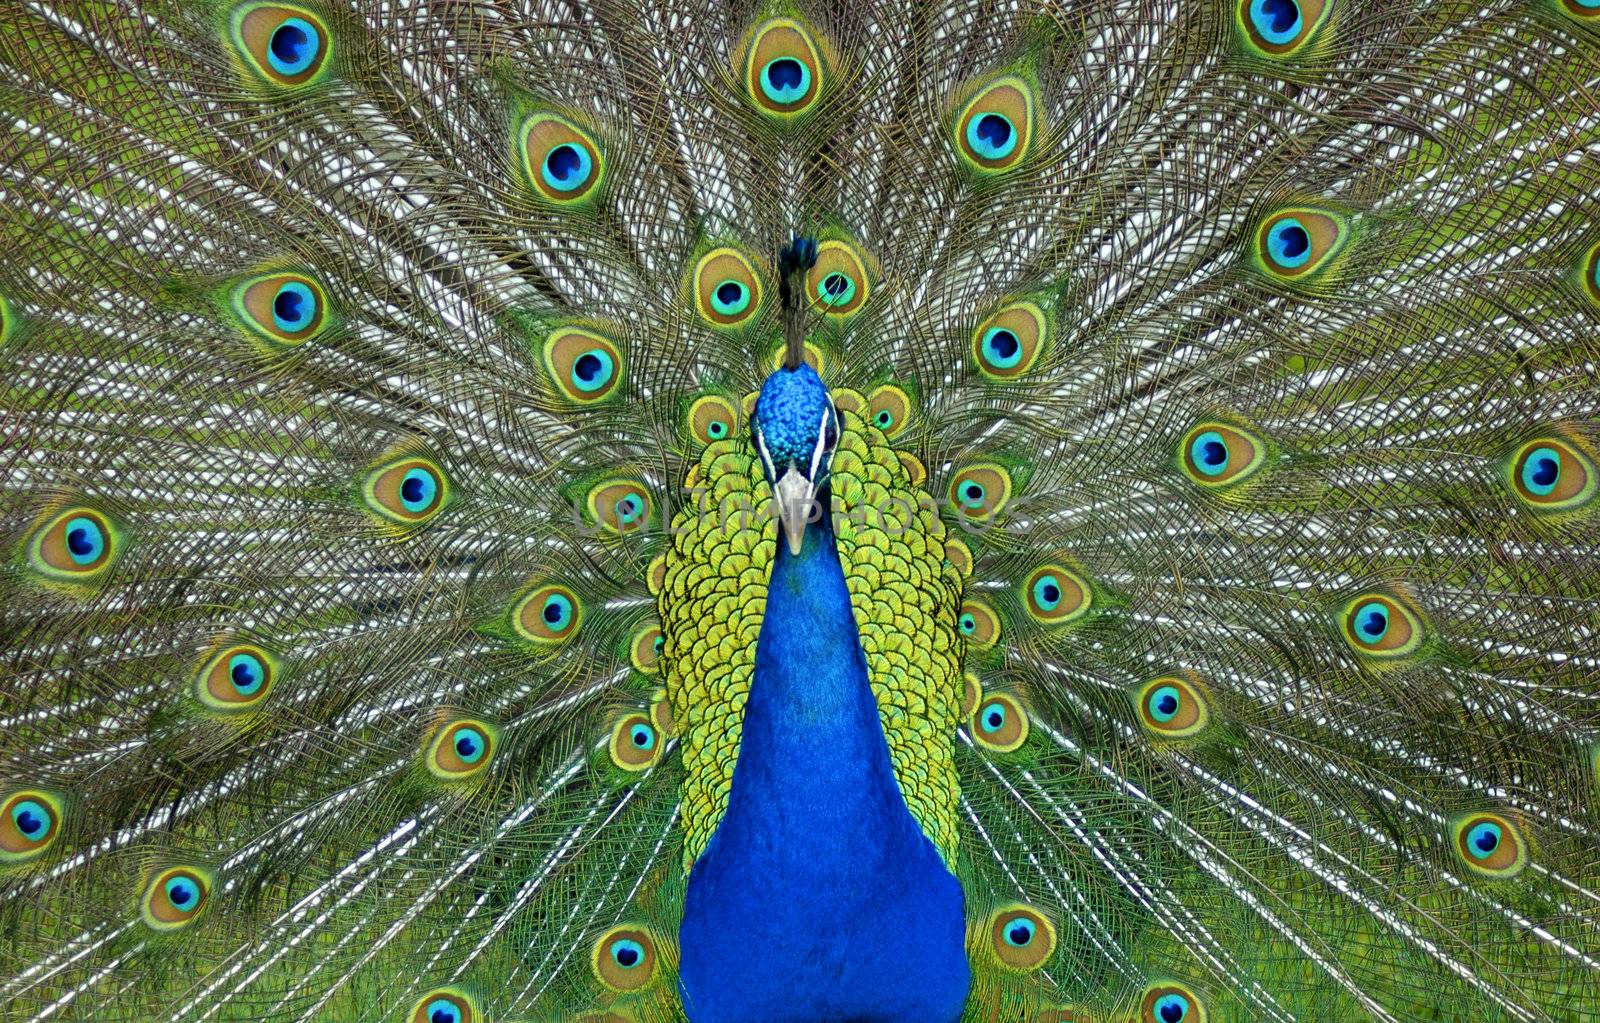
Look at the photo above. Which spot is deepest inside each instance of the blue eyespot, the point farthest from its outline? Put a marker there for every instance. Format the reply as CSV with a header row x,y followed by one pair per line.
x,y
182,893
627,953
1171,1008
557,612
246,673
991,136
967,624
566,167
32,819
294,307
470,745
1047,592
716,429
1000,347
730,298
836,289
442,1010
1278,21
785,80
593,370
1542,468
294,45
418,489
992,717
630,510
1372,622
86,541
1019,932
1289,243
1209,453
1164,703
1483,839
972,495
642,736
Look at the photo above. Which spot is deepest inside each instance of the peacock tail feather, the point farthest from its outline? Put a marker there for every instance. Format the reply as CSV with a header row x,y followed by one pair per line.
x,y
388,543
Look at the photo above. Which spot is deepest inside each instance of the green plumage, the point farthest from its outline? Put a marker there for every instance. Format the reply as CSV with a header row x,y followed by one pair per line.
x,y
356,376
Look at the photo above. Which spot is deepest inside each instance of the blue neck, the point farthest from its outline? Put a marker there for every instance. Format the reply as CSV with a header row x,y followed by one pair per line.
x,y
806,901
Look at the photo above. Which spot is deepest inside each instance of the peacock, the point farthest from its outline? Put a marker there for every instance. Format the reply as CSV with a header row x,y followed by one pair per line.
x,y
800,511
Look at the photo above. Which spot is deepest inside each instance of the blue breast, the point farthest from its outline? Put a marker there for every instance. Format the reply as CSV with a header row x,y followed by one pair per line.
x,y
819,899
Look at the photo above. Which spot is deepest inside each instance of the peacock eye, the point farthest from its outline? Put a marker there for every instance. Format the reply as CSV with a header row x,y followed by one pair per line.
x,y
980,492
29,823
1021,938
460,749
726,289
838,283
281,309
560,161
1055,595
712,418
994,128
634,742
1172,708
409,491
285,46
1278,28
445,1005
645,649
1298,243
1000,723
619,506
584,366
548,615
1491,845
76,544
1217,454
889,409
624,958
784,73
1170,1003
1006,345
236,678
175,897
1379,626
1552,475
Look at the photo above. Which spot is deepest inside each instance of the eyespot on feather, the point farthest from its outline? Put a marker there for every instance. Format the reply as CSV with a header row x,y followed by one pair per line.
x,y
409,491
889,409
1171,1002
445,1005
1056,595
1215,454
620,506
661,714
726,288
1021,938
283,310
635,742
994,129
979,492
1582,11
838,284
784,75
236,678
175,897
1000,723
979,624
959,555
561,163
460,748
1299,243
30,822
548,615
1377,625
971,693
1549,474
1490,844
285,46
624,958
76,545
645,649
585,367
1172,707
1008,343
712,418
1278,29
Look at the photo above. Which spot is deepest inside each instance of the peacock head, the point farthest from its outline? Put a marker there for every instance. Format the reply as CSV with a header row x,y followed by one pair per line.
x,y
796,425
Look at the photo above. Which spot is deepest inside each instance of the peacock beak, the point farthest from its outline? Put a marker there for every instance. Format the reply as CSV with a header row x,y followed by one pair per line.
x,y
796,497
